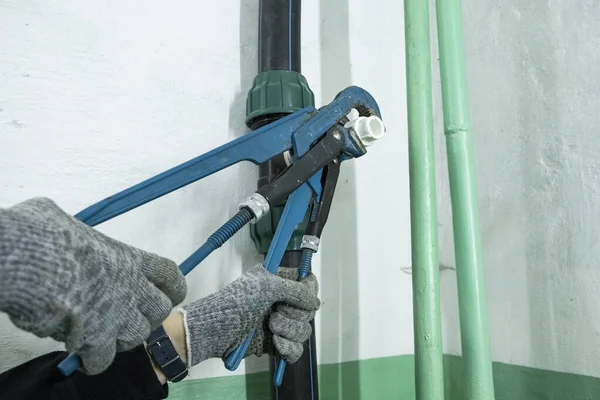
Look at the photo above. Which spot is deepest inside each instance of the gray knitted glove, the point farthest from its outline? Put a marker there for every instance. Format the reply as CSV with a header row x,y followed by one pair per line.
x,y
63,279
278,306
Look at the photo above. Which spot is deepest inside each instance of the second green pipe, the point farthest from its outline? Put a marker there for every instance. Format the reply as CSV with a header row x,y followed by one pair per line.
x,y
429,374
477,364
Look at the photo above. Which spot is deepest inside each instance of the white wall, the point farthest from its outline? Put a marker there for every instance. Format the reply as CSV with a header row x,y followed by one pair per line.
x,y
98,96
534,79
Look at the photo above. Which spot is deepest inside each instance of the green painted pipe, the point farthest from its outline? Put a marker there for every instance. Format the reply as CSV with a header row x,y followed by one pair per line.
x,y
429,372
477,365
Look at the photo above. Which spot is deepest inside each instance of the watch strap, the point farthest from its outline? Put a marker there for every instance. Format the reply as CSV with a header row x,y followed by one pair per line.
x,y
162,351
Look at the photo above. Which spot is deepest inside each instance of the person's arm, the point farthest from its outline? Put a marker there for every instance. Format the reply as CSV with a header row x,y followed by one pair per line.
x,y
54,275
130,377
175,328
279,307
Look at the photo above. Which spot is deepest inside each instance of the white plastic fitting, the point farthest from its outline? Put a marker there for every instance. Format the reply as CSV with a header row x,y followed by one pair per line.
x,y
368,129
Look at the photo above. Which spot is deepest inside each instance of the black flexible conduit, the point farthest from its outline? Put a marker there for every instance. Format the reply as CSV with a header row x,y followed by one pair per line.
x,y
279,49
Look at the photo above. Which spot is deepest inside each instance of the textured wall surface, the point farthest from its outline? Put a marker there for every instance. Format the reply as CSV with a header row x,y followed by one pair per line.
x,y
96,97
533,72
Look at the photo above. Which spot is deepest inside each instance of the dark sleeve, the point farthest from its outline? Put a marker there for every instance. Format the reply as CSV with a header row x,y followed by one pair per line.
x,y
130,377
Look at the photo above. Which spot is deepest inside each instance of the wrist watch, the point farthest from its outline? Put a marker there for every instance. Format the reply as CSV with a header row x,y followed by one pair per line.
x,y
162,351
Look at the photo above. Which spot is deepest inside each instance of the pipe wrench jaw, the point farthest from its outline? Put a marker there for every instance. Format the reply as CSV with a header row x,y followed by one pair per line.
x,y
353,146
359,99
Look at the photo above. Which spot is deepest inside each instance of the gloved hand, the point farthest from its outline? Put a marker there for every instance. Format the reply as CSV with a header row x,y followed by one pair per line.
x,y
279,307
63,279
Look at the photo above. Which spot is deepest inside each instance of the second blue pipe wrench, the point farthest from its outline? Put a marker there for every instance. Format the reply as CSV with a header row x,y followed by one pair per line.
x,y
312,238
295,133
293,214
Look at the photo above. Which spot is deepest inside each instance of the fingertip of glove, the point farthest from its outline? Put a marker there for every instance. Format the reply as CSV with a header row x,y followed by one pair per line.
x,y
180,290
310,278
165,275
313,305
288,273
45,201
137,326
296,329
98,357
312,282
258,269
288,350
37,205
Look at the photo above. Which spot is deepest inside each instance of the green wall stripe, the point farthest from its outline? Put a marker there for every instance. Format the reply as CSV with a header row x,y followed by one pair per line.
x,y
513,382
393,378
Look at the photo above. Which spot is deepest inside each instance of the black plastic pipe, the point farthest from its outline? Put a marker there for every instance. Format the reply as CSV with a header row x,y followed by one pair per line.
x,y
279,35
279,49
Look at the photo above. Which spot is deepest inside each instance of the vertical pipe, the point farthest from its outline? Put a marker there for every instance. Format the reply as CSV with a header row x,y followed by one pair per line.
x,y
279,35
429,374
278,90
477,366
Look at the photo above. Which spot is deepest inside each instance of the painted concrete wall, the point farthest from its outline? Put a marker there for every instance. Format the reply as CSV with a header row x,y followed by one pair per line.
x,y
534,79
96,97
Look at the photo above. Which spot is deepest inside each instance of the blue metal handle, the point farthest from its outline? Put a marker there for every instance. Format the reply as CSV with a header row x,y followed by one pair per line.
x,y
279,371
234,359
293,214
257,147
304,270
69,364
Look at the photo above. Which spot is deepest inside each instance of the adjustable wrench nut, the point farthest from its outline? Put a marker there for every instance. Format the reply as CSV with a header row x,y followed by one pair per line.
x,y
310,242
257,204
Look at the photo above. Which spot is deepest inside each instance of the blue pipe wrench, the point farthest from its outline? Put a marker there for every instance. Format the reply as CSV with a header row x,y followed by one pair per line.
x,y
312,137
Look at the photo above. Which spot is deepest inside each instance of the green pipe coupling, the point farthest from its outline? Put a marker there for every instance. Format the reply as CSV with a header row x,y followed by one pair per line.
x,y
263,230
277,93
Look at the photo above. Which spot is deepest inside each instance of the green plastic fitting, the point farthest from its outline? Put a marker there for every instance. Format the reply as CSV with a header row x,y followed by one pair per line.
x,y
277,93
263,230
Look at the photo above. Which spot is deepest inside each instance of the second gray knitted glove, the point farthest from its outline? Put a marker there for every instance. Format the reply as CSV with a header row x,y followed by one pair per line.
x,y
63,279
279,307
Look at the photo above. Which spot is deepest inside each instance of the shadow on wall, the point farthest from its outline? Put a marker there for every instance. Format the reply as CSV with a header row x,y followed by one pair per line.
x,y
541,193
558,120
248,64
533,86
237,116
339,258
